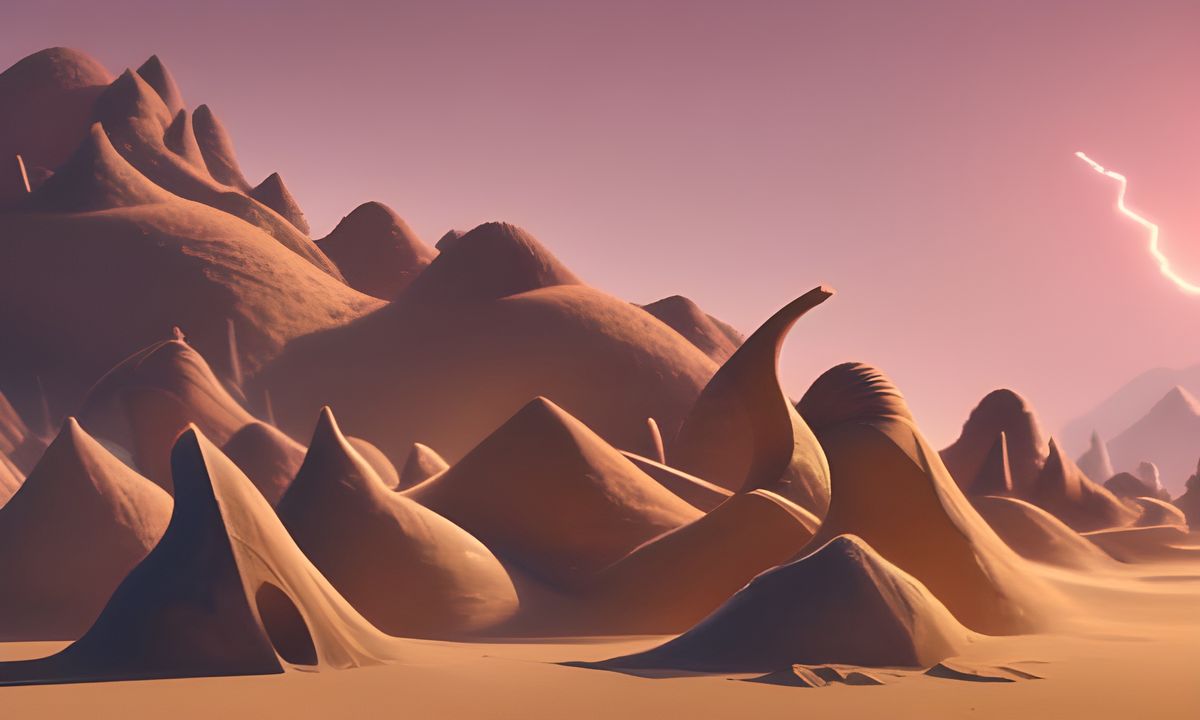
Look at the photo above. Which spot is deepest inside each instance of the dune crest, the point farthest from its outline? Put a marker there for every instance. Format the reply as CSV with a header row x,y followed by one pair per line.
x,y
1069,495
545,492
1036,534
275,195
743,432
77,526
159,77
423,463
217,148
408,570
714,338
377,252
268,457
843,603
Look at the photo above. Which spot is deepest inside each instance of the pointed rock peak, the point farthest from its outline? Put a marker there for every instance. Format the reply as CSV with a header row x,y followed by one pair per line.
x,y
217,149
492,261
158,77
851,391
744,433
843,603
130,96
275,195
180,139
423,463
999,411
332,459
97,178
76,457
995,478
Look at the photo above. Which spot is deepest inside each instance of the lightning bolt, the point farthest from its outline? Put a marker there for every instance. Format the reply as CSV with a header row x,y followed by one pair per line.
x,y
1164,265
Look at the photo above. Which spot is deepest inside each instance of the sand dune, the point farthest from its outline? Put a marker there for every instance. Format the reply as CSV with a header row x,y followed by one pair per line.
x,y
743,432
377,252
180,138
19,444
144,402
843,603
378,461
1146,544
887,482
217,148
449,361
1156,512
423,463
159,77
77,526
268,457
713,337
46,108
225,592
11,478
675,580
696,491
1069,495
275,195
1036,534
546,493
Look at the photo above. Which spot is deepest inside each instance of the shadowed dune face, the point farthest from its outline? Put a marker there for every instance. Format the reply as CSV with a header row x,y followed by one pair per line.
x,y
409,571
714,338
11,478
887,481
193,607
843,603
275,195
46,107
446,366
143,404
1001,411
379,462
1189,501
697,492
423,463
743,432
377,252
1156,512
1068,494
158,77
217,148
268,457
1036,534
546,493
78,525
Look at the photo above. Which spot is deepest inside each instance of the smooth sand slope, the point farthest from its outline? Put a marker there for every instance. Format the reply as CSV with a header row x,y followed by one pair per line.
x,y
268,457
743,432
892,490
1036,534
225,592
546,493
408,570
377,252
843,603
423,463
494,321
714,338
78,525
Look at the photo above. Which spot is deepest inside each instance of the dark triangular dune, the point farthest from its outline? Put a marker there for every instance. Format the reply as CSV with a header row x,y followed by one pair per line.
x,y
275,195
545,492
1036,534
408,570
217,148
180,138
377,252
225,592
268,457
743,432
844,603
890,488
423,463
159,77
75,529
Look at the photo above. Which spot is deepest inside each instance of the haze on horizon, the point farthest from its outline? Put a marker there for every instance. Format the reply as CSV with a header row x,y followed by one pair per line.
x,y
923,167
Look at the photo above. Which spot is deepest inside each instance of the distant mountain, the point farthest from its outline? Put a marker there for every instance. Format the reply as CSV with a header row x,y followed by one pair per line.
x,y
1126,405
1168,436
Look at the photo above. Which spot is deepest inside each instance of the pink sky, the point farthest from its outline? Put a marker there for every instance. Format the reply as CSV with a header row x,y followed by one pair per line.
x,y
915,155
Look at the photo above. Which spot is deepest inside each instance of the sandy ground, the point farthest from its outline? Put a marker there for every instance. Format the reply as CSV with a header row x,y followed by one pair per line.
x,y
1133,653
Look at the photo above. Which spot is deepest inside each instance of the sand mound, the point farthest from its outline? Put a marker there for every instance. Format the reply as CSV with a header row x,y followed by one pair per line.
x,y
973,673
144,402
1095,463
672,582
217,148
408,570
713,337
275,195
1158,512
470,365
1001,411
46,107
1146,544
743,432
75,529
1128,486
1168,435
817,676
378,461
492,261
268,457
697,492
1036,534
843,603
225,592
377,252
180,138
1068,494
96,178
423,463
890,488
546,493
159,77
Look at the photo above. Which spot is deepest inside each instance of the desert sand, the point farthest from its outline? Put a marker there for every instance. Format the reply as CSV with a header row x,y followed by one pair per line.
x,y
359,476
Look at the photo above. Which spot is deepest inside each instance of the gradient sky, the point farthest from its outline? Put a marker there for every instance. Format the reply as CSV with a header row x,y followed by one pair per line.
x,y
915,155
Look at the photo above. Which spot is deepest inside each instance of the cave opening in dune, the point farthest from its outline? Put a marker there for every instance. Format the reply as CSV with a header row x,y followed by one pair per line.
x,y
285,626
